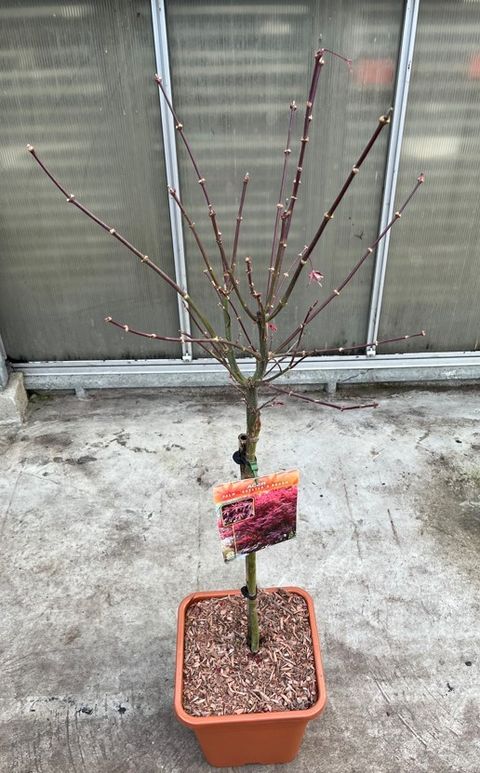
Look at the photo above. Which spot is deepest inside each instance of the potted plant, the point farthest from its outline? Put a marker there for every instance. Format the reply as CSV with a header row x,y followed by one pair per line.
x,y
278,661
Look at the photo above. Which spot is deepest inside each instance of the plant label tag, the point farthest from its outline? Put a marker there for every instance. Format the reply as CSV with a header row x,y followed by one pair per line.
x,y
255,513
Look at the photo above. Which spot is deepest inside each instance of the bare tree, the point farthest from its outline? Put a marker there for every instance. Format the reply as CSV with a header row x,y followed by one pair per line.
x,y
248,314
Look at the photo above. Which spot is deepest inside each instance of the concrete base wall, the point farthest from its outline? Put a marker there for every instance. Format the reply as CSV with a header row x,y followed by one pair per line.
x,y
13,402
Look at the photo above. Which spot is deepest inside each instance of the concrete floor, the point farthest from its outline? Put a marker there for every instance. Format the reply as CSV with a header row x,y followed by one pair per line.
x,y
106,523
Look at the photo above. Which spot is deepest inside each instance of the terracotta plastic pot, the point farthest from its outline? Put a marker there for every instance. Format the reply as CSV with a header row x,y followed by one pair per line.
x,y
262,738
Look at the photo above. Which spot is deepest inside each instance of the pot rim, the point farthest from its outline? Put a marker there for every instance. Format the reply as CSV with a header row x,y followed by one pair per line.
x,y
293,715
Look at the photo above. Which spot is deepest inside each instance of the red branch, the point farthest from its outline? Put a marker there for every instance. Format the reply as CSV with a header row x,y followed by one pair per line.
x,y
288,214
280,204
182,338
336,292
298,356
201,179
384,120
239,221
300,396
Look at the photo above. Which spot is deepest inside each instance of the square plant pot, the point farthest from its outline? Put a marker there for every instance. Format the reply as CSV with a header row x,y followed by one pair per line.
x,y
263,738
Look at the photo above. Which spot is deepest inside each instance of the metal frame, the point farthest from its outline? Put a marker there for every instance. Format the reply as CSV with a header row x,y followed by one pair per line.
x,y
329,371
393,161
162,60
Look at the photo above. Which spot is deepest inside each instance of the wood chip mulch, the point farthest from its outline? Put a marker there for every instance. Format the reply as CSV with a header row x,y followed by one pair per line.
x,y
221,675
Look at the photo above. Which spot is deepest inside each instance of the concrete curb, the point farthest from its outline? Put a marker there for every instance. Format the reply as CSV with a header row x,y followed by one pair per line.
x,y
13,402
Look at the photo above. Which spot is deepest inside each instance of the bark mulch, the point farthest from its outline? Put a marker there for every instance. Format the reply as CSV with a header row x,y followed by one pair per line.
x,y
221,675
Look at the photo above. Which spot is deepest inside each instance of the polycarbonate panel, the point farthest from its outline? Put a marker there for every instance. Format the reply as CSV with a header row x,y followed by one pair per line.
x,y
235,68
432,278
76,81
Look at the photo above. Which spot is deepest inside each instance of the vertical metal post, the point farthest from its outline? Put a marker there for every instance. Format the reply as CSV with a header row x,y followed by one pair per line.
x,y
393,159
159,23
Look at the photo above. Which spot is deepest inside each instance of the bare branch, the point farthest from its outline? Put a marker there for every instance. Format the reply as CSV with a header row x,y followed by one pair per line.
x,y
280,204
383,121
241,324
215,350
336,292
253,292
239,220
297,357
272,401
201,179
300,396
279,358
182,338
114,233
302,330
209,270
286,216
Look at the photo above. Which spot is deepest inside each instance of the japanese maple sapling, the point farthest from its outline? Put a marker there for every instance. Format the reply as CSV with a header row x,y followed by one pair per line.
x,y
247,312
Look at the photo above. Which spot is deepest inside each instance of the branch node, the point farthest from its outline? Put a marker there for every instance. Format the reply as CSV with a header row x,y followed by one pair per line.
x,y
369,249
355,170
328,216
112,231
336,292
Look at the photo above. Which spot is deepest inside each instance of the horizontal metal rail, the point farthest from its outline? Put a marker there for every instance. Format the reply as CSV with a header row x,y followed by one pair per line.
x,y
322,371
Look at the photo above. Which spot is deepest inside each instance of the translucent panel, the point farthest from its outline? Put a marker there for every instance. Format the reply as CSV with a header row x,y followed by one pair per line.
x,y
236,67
76,82
432,278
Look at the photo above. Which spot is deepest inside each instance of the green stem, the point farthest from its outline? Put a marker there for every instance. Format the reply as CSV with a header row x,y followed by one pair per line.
x,y
253,628
248,444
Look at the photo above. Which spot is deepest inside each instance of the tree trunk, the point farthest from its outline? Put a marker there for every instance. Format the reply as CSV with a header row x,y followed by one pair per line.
x,y
248,443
